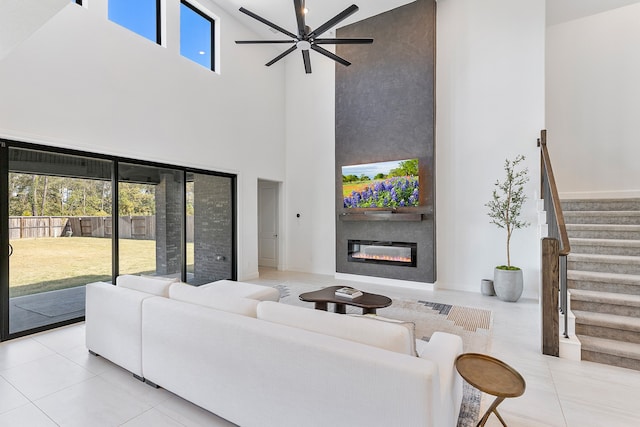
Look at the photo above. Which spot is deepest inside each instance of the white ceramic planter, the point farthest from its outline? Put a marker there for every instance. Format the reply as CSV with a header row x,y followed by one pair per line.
x,y
507,284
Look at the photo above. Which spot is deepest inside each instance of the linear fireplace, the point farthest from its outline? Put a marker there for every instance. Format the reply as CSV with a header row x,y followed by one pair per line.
x,y
401,254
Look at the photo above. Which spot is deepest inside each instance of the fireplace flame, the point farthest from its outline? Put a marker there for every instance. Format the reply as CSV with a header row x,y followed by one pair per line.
x,y
361,255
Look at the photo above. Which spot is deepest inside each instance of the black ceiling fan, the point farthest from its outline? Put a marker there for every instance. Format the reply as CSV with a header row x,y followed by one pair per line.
x,y
307,38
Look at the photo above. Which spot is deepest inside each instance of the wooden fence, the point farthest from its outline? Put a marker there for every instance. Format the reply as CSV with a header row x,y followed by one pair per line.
x,y
130,227
31,227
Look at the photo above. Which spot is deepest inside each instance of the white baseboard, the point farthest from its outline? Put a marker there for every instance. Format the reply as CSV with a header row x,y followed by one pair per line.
x,y
570,348
249,276
422,286
621,194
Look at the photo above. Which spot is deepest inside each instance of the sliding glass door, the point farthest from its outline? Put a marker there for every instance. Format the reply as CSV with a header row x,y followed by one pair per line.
x,y
57,207
69,218
150,220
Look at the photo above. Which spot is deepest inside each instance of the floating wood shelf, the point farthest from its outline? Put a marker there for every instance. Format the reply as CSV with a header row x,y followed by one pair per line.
x,y
381,216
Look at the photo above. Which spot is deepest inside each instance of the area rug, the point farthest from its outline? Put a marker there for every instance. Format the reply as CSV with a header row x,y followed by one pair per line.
x,y
473,325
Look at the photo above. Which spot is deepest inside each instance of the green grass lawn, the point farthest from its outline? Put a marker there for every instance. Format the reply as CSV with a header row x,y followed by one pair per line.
x,y
46,264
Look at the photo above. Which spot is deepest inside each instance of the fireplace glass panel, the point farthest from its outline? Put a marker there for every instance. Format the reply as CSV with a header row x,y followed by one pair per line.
x,y
375,252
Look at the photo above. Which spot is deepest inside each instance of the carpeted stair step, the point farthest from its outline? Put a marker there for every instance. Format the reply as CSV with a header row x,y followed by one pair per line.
x,y
604,231
604,263
605,282
604,278
605,302
610,352
605,246
609,326
600,205
602,217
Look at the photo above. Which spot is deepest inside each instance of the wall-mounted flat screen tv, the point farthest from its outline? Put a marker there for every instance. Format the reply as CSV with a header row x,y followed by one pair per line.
x,y
391,184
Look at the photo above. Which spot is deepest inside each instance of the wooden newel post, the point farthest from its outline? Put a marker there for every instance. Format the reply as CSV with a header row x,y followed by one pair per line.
x,y
550,289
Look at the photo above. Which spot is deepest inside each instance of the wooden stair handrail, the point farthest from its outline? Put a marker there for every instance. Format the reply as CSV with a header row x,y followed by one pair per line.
x,y
565,248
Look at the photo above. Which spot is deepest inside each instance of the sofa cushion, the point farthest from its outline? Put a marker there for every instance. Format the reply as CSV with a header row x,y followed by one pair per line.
x,y
151,285
210,298
386,335
410,326
244,290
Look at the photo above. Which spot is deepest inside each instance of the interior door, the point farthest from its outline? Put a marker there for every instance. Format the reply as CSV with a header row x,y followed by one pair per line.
x,y
268,223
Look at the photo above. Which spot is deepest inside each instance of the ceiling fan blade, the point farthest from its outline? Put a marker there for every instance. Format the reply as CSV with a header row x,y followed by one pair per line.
x,y
299,8
282,55
307,61
263,41
331,55
334,21
269,23
343,41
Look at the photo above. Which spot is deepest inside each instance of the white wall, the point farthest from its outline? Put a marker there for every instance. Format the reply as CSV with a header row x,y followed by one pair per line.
x,y
489,106
593,99
20,18
84,82
310,106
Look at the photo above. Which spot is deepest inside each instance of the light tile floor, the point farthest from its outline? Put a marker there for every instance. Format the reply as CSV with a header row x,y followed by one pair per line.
x,y
49,379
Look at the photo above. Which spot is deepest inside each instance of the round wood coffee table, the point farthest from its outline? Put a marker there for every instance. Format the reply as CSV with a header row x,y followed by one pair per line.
x,y
368,302
491,376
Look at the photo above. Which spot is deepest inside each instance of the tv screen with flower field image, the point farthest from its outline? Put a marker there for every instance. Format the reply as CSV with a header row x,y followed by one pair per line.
x,y
392,185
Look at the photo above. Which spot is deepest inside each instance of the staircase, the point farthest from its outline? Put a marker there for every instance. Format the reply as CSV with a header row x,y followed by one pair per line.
x,y
604,278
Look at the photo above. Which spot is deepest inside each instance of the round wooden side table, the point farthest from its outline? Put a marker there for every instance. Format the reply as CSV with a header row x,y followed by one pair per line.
x,y
491,376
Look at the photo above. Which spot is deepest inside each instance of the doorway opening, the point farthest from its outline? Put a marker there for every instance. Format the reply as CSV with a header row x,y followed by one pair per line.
x,y
269,224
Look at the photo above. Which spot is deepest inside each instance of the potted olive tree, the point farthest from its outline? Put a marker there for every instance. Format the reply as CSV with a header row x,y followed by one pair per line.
x,y
504,210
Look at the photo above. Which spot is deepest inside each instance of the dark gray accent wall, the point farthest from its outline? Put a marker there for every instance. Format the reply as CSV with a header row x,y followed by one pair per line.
x,y
385,111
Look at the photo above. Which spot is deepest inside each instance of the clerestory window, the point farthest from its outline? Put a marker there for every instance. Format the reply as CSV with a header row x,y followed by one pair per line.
x,y
140,16
197,35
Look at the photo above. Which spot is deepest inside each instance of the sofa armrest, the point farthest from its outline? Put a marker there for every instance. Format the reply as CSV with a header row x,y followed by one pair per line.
x,y
443,349
113,320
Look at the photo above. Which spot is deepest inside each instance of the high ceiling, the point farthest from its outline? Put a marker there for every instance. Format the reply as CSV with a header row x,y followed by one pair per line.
x,y
559,11
281,13
20,18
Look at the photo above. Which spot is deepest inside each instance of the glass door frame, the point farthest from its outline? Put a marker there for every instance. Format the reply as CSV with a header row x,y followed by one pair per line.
x,y
4,241
4,223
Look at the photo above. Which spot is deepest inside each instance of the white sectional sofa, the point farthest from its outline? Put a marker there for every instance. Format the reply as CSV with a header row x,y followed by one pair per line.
x,y
114,313
233,350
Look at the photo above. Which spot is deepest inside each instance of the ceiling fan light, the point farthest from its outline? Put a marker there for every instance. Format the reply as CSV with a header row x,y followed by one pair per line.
x,y
303,44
